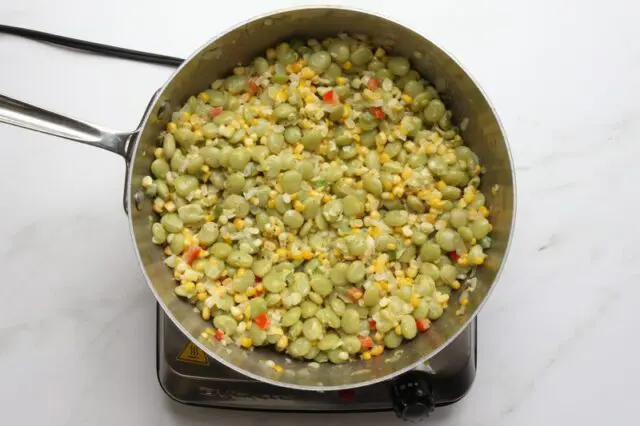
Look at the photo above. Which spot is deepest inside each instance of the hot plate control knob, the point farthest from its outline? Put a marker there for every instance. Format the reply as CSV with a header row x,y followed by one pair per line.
x,y
412,396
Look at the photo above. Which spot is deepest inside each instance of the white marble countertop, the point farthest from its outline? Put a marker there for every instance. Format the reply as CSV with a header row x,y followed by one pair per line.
x,y
557,339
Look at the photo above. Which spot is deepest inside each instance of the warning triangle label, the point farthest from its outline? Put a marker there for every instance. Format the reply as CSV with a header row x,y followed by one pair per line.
x,y
193,355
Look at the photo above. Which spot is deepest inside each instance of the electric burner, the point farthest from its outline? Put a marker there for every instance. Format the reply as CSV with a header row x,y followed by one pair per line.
x,y
188,375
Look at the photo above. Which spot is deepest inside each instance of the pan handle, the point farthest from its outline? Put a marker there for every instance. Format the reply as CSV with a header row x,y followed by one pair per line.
x,y
22,114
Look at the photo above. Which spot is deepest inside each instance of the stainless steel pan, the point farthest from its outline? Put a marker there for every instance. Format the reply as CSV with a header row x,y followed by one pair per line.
x,y
217,58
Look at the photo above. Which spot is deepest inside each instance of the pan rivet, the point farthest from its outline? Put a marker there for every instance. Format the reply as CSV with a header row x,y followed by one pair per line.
x,y
138,199
162,109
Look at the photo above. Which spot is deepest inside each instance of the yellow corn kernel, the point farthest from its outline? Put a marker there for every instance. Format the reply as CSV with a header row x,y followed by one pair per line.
x,y
282,342
406,98
479,260
326,198
307,73
431,218
204,97
406,174
198,265
247,311
347,111
398,330
259,287
251,291
347,66
412,272
246,342
298,148
238,223
167,251
240,298
340,80
435,203
278,368
226,238
377,350
206,313
296,256
441,185
366,355
185,117
483,211
158,153
307,254
463,260
147,181
281,96
473,241
282,252
188,285
430,148
415,300
202,296
380,52
384,158
310,99
398,191
271,204
298,206
464,301
383,286
171,127
374,231
170,206
455,285
469,197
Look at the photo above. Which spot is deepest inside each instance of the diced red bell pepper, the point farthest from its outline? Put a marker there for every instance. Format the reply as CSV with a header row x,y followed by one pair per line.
x,y
330,97
354,293
454,256
423,324
219,335
366,342
258,279
378,113
262,320
192,254
215,111
253,87
373,83
372,325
